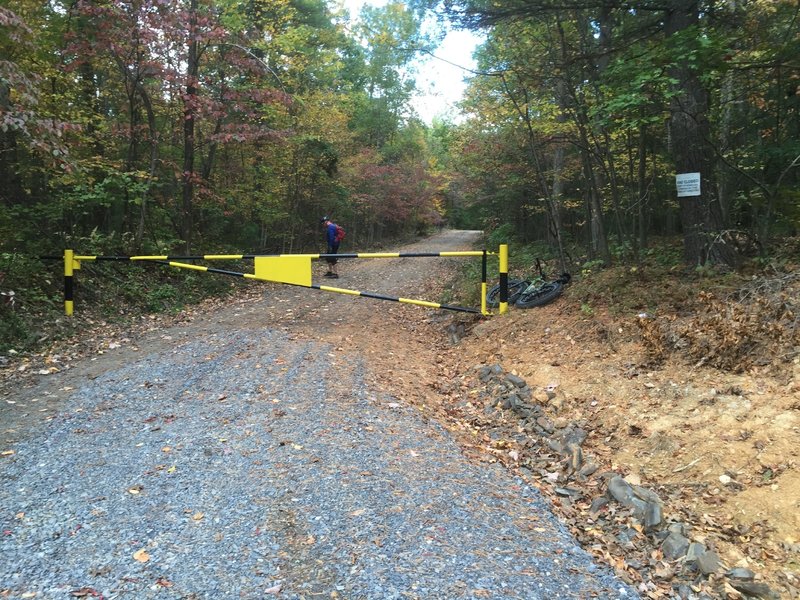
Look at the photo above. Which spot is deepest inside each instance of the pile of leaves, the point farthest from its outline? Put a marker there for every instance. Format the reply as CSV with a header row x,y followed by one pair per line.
x,y
757,325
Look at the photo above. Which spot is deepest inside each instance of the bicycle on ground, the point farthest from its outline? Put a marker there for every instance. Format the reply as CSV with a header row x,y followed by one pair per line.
x,y
528,293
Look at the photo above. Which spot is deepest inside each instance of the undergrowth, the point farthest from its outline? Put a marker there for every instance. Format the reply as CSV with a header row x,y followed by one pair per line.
x,y
32,306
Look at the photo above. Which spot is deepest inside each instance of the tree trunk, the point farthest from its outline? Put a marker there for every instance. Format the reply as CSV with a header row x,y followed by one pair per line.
x,y
189,111
151,125
599,241
689,131
642,191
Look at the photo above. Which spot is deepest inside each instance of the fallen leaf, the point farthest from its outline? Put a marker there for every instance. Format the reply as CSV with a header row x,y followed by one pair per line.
x,y
141,555
274,589
7,453
85,592
198,516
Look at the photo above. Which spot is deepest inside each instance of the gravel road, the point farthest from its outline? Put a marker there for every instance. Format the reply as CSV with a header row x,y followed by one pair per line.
x,y
249,454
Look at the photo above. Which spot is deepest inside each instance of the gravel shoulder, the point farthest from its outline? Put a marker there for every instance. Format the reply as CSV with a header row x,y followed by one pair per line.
x,y
274,448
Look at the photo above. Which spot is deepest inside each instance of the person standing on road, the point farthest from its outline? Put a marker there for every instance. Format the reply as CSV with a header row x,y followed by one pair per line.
x,y
333,246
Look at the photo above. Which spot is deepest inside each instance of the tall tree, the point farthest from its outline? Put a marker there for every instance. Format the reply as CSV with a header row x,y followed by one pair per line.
x,y
690,135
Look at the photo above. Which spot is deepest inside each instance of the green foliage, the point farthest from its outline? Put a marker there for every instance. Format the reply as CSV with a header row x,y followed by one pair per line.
x,y
592,266
621,250
500,235
664,254
28,296
161,298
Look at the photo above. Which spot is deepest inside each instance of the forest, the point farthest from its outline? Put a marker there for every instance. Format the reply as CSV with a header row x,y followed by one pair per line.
x,y
212,126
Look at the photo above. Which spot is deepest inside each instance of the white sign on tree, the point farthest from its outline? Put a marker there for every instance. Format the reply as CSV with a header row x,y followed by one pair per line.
x,y
687,184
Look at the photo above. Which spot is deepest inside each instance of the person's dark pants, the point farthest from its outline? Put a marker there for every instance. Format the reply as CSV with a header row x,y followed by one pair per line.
x,y
332,249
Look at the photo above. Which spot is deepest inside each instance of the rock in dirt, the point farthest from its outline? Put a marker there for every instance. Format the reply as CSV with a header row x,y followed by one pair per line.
x,y
545,424
708,563
694,552
598,504
741,573
675,546
755,589
641,500
575,456
516,380
653,516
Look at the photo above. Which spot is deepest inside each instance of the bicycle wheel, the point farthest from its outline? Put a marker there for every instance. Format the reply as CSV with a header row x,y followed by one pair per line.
x,y
515,288
540,295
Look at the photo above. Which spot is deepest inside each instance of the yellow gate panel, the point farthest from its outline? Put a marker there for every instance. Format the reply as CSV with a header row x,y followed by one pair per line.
x,y
284,269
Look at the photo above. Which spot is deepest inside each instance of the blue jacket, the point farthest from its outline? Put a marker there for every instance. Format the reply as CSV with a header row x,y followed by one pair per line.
x,y
330,233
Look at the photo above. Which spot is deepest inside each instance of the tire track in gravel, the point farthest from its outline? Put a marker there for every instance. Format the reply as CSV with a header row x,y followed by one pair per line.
x,y
251,453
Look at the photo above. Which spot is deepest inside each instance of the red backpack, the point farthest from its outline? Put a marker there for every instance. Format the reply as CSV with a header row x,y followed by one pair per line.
x,y
339,234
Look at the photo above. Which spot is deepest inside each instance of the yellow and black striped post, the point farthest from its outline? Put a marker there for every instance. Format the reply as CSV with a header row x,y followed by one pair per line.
x,y
484,310
69,289
503,278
